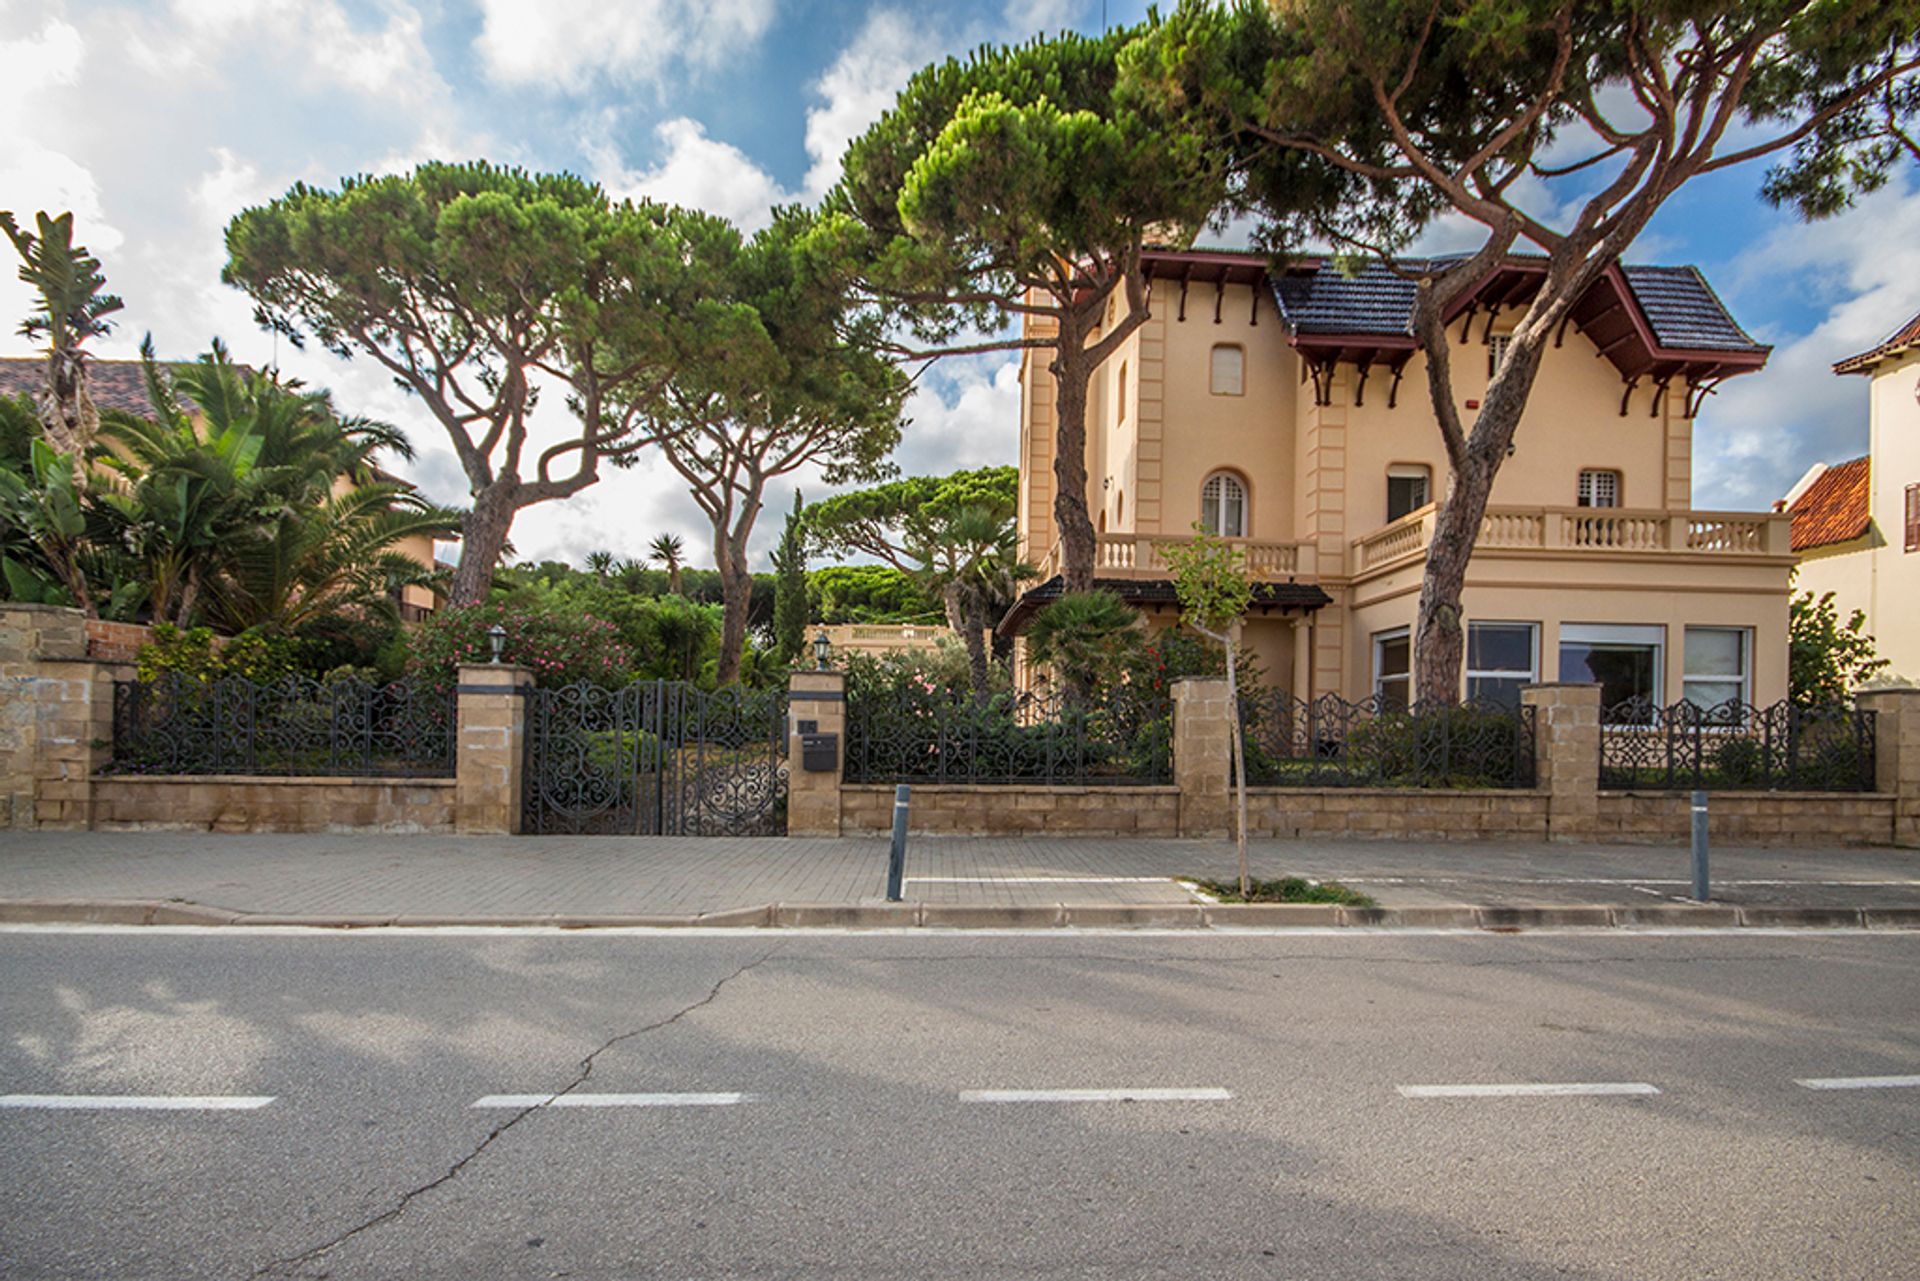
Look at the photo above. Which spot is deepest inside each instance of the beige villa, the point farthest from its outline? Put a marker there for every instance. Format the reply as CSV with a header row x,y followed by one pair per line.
x,y
1856,525
1290,413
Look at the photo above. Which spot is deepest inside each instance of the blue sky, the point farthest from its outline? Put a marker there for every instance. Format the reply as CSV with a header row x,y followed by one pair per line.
x,y
156,122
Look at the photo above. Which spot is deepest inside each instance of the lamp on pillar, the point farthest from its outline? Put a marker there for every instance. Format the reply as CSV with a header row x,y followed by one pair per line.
x,y
821,646
497,640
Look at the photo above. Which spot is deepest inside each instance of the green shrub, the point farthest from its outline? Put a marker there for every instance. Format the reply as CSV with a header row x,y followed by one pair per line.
x,y
560,648
1741,762
1285,889
192,654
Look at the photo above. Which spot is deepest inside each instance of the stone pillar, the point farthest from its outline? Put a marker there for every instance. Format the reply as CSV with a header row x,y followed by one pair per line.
x,y
490,759
1566,743
1202,756
1896,756
813,799
56,717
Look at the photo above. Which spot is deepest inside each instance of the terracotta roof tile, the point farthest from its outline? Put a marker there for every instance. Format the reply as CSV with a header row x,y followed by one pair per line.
x,y
1834,508
114,384
1908,335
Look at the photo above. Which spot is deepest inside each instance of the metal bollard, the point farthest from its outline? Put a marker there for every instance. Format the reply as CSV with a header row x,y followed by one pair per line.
x,y
897,856
1700,847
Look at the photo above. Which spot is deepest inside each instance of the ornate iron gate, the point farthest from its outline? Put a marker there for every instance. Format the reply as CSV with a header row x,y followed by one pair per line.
x,y
660,758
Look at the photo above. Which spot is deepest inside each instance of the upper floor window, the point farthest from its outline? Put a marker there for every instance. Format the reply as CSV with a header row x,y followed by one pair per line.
x,y
1497,352
1599,489
1409,488
1229,372
1121,395
1913,518
1223,505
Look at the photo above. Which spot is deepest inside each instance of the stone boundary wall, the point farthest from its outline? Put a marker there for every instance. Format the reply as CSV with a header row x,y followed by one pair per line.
x,y
1750,818
245,803
115,642
1386,814
980,810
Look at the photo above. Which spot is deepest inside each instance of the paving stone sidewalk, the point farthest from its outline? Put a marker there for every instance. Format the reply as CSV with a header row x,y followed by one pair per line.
x,y
360,874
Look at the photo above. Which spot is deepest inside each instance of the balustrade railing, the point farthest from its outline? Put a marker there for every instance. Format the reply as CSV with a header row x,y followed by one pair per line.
x,y
1587,529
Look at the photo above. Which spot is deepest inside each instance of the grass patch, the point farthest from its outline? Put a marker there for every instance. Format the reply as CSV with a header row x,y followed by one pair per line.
x,y
1285,889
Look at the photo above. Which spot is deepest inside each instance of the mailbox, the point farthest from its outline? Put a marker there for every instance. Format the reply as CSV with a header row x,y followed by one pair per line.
x,y
819,753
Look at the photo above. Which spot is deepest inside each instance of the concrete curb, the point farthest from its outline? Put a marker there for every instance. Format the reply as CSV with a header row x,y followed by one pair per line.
x,y
877,915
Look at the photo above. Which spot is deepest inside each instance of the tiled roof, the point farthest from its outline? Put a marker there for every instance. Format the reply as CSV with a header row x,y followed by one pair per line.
x,y
1683,311
1680,307
113,384
1908,335
1834,508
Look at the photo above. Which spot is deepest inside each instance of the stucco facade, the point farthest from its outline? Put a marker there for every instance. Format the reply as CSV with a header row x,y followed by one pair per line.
x,y
1321,436
1878,571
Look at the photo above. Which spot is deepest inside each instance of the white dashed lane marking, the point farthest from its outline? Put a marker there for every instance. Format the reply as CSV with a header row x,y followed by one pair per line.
x,y
1860,1082
612,1100
138,1102
1525,1090
1208,1094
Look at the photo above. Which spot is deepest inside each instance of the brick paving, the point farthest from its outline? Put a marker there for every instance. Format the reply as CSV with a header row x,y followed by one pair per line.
x,y
368,874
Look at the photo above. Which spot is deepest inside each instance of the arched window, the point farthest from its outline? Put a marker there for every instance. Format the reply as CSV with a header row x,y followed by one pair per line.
x,y
1227,377
1223,505
1122,393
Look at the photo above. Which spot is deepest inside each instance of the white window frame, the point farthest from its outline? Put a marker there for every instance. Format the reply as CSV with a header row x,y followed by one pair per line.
x,y
1380,640
1497,352
1239,387
1532,673
1743,682
1652,634
1409,471
1220,504
1586,494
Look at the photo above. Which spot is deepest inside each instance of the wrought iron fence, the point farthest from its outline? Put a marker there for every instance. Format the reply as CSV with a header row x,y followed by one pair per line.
x,y
1330,742
941,735
178,725
1736,746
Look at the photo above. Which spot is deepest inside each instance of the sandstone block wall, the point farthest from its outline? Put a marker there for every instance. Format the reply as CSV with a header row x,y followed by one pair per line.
x,y
976,810
236,803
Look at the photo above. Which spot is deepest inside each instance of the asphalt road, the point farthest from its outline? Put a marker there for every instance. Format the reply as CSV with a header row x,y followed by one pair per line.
x,y
835,1129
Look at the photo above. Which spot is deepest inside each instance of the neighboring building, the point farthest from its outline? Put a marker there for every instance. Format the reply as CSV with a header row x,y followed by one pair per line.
x,y
122,385
881,638
1291,413
1856,525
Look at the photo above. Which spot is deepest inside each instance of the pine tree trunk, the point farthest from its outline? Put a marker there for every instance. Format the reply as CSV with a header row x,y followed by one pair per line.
x,y
483,535
1071,374
736,598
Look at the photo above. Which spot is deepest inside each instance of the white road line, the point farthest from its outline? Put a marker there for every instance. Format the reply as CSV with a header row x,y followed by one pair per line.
x,y
139,1102
1534,1089
1040,880
611,1100
1860,1082
1152,1095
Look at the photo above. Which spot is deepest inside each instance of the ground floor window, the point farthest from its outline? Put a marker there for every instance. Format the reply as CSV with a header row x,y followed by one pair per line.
x,y
1393,668
1718,661
1626,661
1502,659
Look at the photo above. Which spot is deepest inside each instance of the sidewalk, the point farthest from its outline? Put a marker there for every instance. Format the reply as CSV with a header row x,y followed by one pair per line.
x,y
358,878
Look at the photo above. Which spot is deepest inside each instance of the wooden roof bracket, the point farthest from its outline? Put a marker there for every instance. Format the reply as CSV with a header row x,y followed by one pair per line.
x,y
1466,326
1603,349
1393,389
1253,313
1360,387
1486,335
1627,395
1219,295
1560,333
1659,395
1186,278
1699,387
1322,372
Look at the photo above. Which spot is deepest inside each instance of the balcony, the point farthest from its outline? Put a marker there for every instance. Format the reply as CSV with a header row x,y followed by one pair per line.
x,y
1584,531
1137,556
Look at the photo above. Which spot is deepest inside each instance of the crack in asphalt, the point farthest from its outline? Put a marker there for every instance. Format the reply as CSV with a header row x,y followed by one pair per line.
x,y
278,1266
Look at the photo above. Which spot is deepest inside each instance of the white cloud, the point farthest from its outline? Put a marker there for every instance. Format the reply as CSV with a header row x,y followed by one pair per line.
x,y
1757,436
389,61
964,412
860,86
696,171
564,46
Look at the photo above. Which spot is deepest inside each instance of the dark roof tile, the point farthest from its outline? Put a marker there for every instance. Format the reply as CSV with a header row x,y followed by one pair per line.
x,y
114,384
1683,311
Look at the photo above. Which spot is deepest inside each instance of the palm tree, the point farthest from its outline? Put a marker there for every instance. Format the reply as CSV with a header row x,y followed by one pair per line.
x,y
263,506
667,550
971,558
600,564
72,310
1084,636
